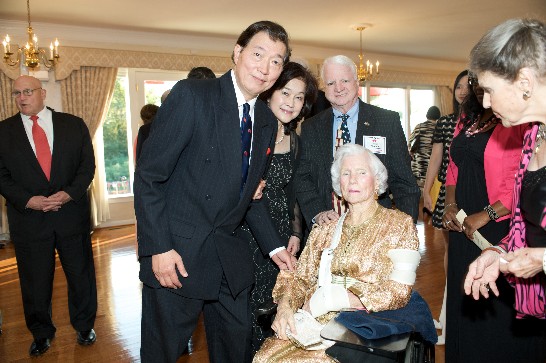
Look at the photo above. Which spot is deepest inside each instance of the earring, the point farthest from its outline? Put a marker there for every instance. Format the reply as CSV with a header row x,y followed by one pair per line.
x,y
376,194
526,95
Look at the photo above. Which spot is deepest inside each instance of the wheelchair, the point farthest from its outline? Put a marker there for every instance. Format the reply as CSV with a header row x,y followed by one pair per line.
x,y
351,348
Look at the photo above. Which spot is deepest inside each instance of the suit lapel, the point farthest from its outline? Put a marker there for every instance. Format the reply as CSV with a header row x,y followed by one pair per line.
x,y
229,131
261,139
59,140
363,126
326,138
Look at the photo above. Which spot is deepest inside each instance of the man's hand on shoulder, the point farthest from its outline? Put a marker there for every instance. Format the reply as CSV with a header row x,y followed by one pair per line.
x,y
164,266
284,260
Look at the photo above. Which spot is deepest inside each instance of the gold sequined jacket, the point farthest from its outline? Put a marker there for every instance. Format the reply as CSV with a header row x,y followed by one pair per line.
x,y
361,254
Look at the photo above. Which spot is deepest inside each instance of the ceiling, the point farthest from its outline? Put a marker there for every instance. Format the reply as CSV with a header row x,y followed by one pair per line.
x,y
442,30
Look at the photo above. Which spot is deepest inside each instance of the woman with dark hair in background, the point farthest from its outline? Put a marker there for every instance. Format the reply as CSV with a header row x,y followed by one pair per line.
x,y
147,114
290,99
484,158
437,168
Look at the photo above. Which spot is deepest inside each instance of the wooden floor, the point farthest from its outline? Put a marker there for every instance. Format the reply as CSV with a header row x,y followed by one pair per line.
x,y
118,319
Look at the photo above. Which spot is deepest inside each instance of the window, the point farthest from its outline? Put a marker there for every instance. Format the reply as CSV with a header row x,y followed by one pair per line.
x,y
133,89
411,104
114,129
420,102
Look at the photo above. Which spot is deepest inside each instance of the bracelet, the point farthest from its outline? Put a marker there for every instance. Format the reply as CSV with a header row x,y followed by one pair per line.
x,y
491,212
449,205
544,262
497,249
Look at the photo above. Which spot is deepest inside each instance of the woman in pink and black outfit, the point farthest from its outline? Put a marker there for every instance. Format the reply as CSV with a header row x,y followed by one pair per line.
x,y
480,180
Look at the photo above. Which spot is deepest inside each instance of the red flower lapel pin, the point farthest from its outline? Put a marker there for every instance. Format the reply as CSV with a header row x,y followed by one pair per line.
x,y
268,151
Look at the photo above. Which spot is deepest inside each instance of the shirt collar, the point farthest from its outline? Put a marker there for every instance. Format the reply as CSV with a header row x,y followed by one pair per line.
x,y
353,113
43,114
240,98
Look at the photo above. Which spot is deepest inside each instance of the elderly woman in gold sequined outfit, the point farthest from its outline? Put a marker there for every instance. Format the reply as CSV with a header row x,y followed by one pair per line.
x,y
365,260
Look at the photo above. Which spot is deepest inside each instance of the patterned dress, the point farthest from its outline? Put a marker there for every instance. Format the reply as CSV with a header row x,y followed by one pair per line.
x,y
361,254
266,271
443,133
421,147
528,229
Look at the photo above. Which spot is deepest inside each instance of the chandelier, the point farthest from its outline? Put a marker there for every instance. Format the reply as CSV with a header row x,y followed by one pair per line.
x,y
365,70
31,54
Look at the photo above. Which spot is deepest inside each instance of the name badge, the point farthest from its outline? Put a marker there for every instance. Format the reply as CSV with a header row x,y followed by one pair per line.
x,y
376,144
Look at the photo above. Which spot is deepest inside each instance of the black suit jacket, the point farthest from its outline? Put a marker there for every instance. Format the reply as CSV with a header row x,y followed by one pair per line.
x,y
313,178
187,187
21,177
142,136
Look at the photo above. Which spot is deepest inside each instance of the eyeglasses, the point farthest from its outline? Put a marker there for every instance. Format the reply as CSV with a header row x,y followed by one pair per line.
x,y
26,92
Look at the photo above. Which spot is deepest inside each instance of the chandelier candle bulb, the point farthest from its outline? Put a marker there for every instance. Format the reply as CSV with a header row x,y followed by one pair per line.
x,y
31,55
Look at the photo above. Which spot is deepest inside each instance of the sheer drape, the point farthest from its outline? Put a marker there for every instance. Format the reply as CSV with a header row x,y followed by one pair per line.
x,y
87,93
445,99
7,109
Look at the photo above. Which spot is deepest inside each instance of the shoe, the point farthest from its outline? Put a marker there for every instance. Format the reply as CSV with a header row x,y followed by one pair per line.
x,y
39,346
86,337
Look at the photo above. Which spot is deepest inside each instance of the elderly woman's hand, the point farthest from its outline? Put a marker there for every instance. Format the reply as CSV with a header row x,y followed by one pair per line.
x,y
284,319
482,274
293,245
525,262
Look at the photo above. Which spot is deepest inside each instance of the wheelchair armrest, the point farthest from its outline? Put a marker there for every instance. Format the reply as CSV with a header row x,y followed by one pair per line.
x,y
267,309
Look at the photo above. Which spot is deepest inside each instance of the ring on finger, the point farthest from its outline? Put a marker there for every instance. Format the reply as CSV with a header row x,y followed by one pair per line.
x,y
448,222
486,285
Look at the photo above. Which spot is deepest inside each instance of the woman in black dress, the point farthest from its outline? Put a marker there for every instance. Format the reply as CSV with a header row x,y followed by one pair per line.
x,y
290,99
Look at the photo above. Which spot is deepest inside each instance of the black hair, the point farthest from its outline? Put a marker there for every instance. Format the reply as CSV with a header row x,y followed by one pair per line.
x,y
275,31
201,73
456,105
292,71
433,113
147,113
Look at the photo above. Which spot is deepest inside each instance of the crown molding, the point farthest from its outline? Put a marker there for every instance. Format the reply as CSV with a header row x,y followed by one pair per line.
x,y
204,45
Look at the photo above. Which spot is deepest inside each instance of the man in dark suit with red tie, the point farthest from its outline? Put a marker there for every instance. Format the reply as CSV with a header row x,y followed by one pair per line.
x,y
208,149
46,166
350,120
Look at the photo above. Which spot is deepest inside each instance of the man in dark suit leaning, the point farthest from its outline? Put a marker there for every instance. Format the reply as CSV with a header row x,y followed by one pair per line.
x,y
350,120
208,149
46,166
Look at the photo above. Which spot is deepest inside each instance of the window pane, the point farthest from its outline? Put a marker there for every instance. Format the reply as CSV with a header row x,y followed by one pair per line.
x,y
116,158
153,89
393,99
421,100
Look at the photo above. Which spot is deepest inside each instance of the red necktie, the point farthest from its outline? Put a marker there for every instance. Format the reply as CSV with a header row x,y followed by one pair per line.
x,y
43,152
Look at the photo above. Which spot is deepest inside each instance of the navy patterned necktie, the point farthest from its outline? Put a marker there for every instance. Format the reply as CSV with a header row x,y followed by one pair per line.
x,y
345,134
246,141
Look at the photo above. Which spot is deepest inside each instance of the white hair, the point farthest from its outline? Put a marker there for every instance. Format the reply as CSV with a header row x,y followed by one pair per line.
x,y
341,60
379,170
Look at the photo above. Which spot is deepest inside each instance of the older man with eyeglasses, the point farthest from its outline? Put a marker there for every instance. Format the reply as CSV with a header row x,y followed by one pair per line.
x,y
46,165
